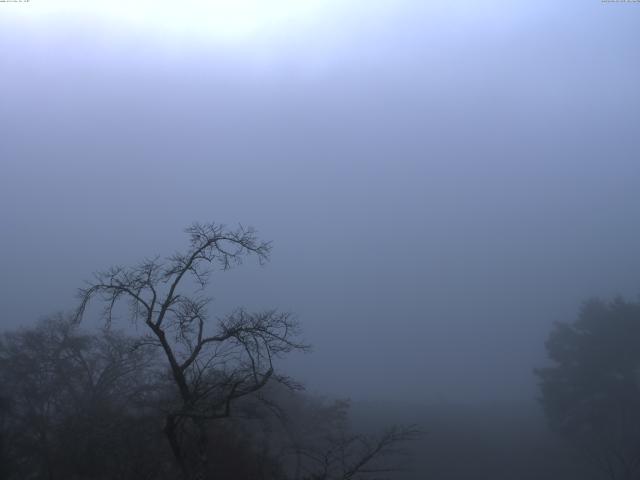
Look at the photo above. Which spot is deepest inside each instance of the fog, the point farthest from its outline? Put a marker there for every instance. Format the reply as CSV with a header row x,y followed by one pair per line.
x,y
440,183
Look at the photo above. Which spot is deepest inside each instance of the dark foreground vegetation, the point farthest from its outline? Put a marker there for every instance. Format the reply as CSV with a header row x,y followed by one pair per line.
x,y
93,406
192,397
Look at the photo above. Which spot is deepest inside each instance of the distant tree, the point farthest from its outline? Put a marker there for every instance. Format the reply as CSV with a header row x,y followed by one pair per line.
x,y
212,362
312,439
324,447
591,392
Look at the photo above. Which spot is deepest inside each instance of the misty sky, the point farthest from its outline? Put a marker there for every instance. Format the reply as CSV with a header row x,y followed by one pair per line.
x,y
440,182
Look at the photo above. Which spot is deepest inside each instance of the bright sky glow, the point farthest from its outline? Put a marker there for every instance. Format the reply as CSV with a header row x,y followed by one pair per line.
x,y
250,20
223,19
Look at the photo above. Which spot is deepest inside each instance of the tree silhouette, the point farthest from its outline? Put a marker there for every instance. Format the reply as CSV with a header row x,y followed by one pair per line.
x,y
213,362
591,393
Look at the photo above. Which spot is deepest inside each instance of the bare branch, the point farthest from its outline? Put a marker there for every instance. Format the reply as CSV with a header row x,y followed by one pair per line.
x,y
212,363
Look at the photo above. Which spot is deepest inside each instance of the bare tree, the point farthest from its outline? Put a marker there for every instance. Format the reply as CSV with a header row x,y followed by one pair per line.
x,y
324,447
351,456
212,363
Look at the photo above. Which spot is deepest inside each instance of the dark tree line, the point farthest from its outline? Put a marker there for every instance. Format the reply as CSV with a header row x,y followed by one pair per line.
x,y
194,397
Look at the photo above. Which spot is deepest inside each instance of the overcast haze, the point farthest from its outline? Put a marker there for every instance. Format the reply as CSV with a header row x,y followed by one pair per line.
x,y
440,184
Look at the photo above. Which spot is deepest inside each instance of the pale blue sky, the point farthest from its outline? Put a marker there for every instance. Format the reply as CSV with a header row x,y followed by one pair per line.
x,y
440,184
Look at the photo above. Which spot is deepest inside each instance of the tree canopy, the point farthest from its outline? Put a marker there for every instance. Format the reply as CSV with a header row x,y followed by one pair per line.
x,y
591,390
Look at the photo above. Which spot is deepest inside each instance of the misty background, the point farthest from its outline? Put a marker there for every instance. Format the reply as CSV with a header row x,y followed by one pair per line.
x,y
440,183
